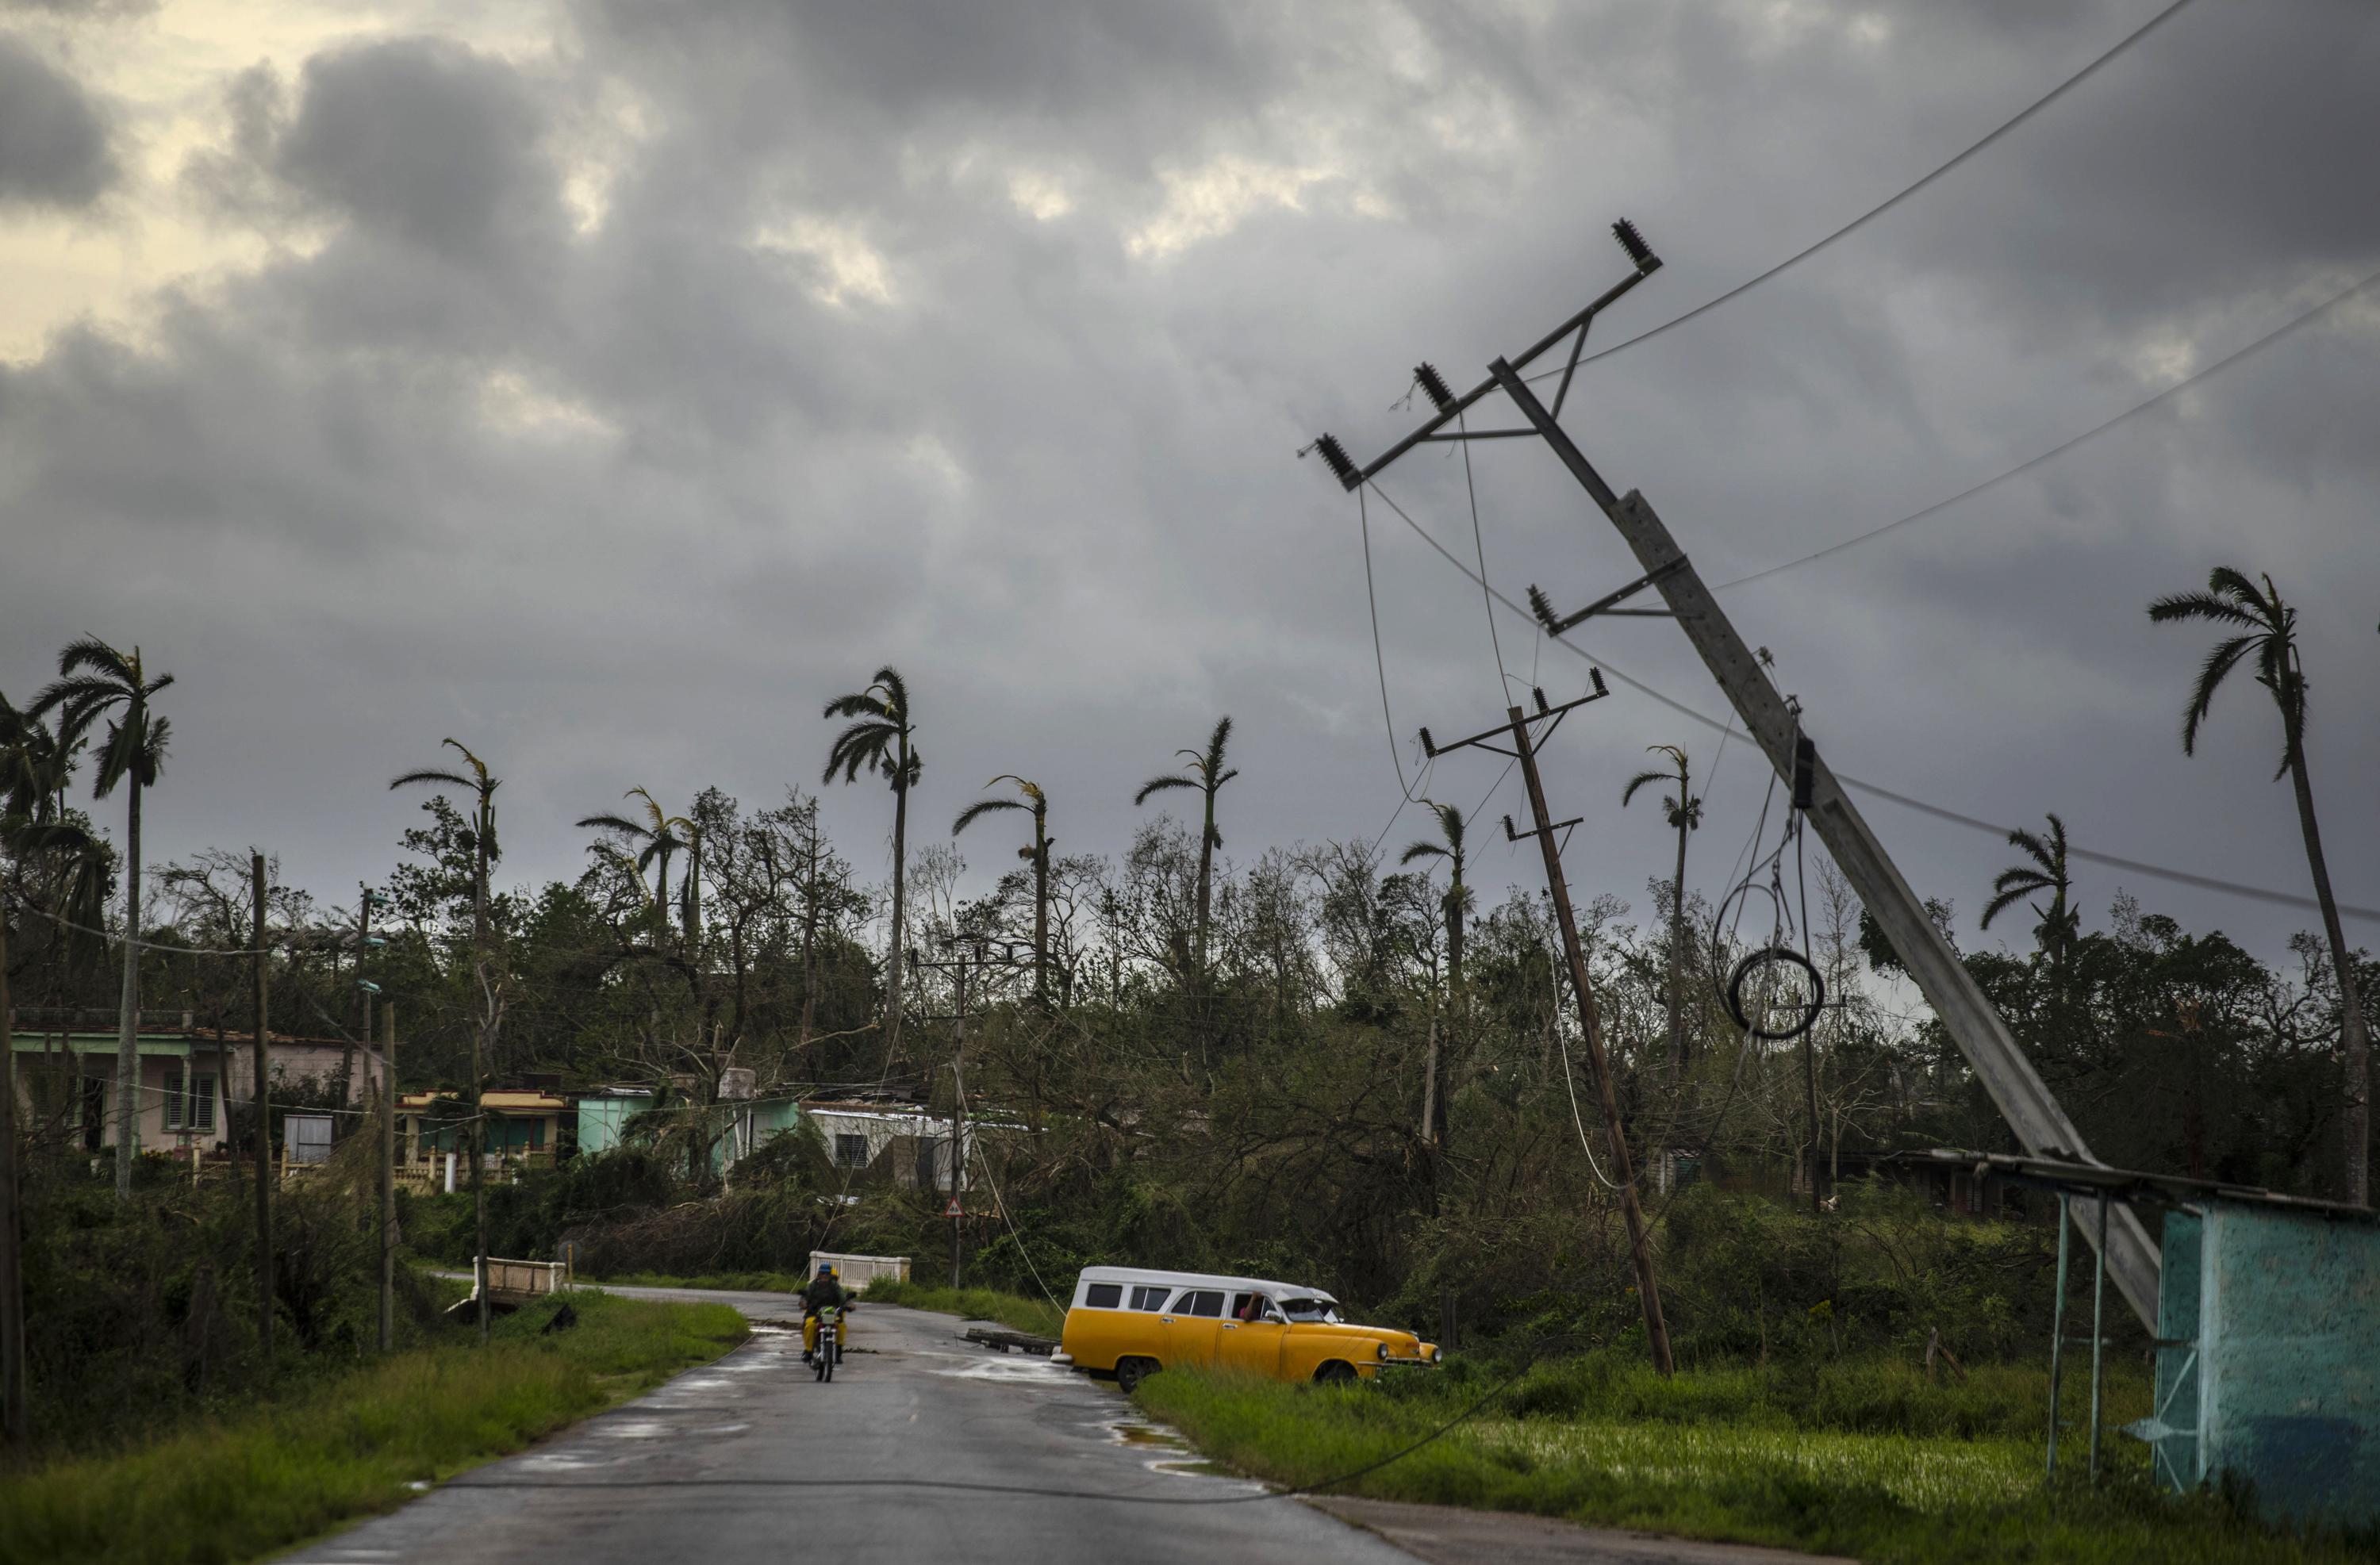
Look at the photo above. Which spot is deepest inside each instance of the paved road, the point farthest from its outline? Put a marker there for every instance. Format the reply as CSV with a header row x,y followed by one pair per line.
x,y
749,1459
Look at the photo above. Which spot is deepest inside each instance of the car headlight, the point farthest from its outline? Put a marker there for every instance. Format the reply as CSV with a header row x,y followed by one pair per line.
x,y
1384,1352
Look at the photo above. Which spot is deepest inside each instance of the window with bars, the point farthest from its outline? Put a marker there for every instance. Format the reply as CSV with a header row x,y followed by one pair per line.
x,y
194,1110
851,1151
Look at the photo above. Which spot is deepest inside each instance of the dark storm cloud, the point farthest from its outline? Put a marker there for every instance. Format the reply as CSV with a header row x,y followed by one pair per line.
x,y
54,140
811,390
423,142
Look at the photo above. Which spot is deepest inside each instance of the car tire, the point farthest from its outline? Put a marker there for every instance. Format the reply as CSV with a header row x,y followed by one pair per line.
x,y
1130,1372
1336,1372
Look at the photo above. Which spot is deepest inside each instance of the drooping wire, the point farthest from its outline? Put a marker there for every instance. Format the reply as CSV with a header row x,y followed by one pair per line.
x,y
1379,660
1479,545
2137,867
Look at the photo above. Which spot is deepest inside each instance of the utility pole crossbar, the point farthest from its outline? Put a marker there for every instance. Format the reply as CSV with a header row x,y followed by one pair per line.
x,y
1967,1016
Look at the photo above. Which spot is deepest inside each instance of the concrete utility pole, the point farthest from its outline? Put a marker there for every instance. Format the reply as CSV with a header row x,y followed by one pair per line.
x,y
1973,1025
13,1427
264,1125
1623,1173
387,1178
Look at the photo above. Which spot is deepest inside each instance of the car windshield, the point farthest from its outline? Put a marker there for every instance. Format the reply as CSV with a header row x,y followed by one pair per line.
x,y
1310,1309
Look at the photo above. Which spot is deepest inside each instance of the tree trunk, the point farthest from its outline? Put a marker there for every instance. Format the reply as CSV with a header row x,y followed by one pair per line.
x,y
900,887
1206,881
1041,916
1442,1050
809,957
127,1021
1678,944
13,1429
482,1044
2355,1043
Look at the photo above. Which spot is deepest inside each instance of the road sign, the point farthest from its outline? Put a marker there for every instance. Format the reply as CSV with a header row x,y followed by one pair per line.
x,y
955,1210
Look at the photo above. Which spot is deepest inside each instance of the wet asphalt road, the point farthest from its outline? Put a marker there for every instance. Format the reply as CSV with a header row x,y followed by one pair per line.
x,y
749,1459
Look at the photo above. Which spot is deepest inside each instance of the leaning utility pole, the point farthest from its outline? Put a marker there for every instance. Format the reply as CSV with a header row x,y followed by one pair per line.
x,y
1982,1036
13,1427
263,1126
1526,746
388,1179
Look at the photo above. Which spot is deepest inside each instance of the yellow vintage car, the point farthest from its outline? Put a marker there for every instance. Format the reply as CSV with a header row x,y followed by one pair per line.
x,y
1126,1323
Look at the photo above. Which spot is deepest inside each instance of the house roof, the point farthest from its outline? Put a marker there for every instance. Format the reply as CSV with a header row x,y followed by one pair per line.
x,y
2127,1186
498,1101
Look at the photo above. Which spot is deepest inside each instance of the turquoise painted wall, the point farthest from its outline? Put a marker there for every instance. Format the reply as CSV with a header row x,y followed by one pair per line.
x,y
2281,1386
601,1121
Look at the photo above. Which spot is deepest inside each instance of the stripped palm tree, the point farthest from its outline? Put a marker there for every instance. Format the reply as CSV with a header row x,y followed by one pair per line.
x,y
2060,923
94,680
479,837
1204,774
882,740
36,764
655,838
1455,903
1037,855
2267,633
1684,812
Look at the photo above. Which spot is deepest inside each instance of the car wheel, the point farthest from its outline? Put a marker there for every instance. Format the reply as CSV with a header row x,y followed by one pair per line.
x,y
1130,1372
1338,1372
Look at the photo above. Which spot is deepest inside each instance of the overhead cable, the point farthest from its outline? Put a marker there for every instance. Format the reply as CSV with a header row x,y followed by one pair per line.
x,y
1893,200
2180,877
2064,446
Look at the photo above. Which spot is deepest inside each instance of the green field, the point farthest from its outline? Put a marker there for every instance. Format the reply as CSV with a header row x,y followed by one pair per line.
x,y
275,1475
1863,1459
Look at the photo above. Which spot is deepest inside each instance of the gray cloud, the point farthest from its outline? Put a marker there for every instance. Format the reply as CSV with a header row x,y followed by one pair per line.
x,y
622,505
54,139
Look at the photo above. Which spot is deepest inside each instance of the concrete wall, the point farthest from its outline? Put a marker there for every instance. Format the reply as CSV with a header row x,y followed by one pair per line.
x,y
62,1067
2286,1358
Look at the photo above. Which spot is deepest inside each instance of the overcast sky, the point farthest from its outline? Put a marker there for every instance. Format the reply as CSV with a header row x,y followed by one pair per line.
x,y
607,385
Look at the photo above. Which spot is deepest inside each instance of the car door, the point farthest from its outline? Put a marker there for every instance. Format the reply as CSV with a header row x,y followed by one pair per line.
x,y
1252,1345
1192,1326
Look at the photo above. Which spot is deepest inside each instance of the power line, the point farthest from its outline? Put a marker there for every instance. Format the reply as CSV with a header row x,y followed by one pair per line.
x,y
2180,877
1890,201
2064,446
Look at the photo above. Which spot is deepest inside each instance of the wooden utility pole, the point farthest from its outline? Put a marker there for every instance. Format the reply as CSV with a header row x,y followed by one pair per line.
x,y
364,1000
388,1178
1623,1173
263,1124
13,1429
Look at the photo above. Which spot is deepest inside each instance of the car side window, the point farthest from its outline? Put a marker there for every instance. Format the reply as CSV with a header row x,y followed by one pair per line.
x,y
1148,1297
1202,1302
1104,1295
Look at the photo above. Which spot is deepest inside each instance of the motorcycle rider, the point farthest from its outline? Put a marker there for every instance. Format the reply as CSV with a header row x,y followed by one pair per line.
x,y
823,1289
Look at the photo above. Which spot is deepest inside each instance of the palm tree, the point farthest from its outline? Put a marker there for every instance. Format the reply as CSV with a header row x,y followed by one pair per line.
x,y
36,764
882,739
1685,814
2060,923
659,836
1037,855
2267,631
95,679
481,838
1204,774
1456,903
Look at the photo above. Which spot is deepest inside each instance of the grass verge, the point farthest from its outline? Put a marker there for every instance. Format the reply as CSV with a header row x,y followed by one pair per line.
x,y
243,1486
1035,1316
1721,1460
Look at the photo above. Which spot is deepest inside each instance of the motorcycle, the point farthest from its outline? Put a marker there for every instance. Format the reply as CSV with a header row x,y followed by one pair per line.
x,y
828,1350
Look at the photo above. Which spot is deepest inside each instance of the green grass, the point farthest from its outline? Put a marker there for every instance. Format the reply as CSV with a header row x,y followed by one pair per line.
x,y
1896,1471
1035,1316
276,1474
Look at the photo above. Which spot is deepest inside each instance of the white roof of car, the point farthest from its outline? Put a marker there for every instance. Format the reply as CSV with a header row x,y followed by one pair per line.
x,y
1204,1279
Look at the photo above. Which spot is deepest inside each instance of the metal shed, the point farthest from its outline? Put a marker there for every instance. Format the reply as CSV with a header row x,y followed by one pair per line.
x,y
2267,1341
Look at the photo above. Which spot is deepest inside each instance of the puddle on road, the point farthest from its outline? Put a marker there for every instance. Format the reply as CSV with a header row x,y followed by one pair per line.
x,y
649,1429
1146,1435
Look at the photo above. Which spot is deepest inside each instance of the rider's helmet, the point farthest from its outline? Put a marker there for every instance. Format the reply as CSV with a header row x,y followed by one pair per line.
x,y
826,1269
